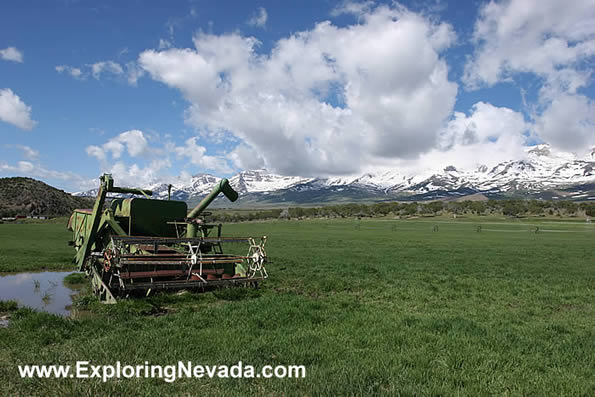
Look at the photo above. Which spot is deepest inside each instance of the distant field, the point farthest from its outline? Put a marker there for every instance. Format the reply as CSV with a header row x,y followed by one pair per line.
x,y
426,306
40,245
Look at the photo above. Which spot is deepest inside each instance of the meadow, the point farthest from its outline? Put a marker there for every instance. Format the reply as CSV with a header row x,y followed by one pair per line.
x,y
431,306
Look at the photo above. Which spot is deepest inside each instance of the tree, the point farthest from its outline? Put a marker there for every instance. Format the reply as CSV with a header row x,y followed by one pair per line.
x,y
514,207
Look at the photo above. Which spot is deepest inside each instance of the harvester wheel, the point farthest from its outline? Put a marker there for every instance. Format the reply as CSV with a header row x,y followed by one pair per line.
x,y
107,260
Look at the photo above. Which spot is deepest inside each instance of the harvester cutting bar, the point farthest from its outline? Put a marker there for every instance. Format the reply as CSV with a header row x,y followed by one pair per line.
x,y
182,284
176,259
178,255
166,273
147,244
175,240
182,262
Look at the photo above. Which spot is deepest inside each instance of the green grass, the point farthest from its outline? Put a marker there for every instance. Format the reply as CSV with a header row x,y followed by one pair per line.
x,y
369,307
8,306
75,279
35,246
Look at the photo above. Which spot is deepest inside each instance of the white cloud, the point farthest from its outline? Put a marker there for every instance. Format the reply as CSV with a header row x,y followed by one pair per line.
x,y
135,144
357,8
133,73
74,72
487,136
486,124
197,156
11,54
35,170
14,111
569,123
98,68
130,71
135,175
97,152
548,39
164,44
133,141
28,152
246,158
151,158
545,37
325,101
259,19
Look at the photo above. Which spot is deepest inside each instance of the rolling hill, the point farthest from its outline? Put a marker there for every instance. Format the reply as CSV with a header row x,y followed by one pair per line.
x,y
27,196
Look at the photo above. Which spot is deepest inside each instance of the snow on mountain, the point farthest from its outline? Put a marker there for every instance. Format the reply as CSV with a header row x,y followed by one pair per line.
x,y
256,181
543,168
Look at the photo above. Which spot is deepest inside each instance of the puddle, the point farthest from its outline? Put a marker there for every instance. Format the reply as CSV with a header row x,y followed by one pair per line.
x,y
41,291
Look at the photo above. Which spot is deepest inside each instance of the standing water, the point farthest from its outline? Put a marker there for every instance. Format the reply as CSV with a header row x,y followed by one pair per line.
x,y
41,291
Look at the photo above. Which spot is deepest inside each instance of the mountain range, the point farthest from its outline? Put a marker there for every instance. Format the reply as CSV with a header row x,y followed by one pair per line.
x,y
544,173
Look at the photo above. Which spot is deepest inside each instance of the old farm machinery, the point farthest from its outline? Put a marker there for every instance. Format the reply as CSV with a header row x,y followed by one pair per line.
x,y
138,245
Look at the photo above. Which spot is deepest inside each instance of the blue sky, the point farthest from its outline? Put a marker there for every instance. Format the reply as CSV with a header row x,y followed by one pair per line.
x,y
157,91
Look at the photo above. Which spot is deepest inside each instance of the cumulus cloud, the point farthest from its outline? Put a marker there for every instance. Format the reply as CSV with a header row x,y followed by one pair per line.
x,y
569,123
259,19
135,145
14,111
323,101
550,40
129,71
547,38
246,157
487,136
163,44
197,155
357,8
28,152
11,54
486,124
136,161
74,72
133,73
133,141
135,175
36,170
98,68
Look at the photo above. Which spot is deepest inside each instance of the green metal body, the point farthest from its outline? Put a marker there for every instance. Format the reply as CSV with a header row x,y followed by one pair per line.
x,y
143,243
85,231
222,187
144,217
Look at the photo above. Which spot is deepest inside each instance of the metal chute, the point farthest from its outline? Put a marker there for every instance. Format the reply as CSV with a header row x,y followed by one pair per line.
x,y
143,245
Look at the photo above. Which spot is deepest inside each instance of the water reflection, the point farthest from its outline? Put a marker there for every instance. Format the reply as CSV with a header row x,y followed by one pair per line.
x,y
42,291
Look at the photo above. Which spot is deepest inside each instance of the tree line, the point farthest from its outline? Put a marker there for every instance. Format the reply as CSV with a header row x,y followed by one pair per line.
x,y
512,208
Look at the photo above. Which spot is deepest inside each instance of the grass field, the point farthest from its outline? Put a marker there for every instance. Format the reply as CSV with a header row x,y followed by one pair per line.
x,y
35,246
369,307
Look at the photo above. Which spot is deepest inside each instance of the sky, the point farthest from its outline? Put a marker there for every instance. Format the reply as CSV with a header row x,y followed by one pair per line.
x,y
155,91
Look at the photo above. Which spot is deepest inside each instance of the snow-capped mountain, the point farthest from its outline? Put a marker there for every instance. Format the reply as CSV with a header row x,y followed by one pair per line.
x,y
542,171
256,181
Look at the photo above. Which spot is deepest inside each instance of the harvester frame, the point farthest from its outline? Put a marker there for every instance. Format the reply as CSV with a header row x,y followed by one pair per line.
x,y
143,245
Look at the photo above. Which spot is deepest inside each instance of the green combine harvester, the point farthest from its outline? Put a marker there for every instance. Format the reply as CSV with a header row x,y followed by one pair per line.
x,y
139,245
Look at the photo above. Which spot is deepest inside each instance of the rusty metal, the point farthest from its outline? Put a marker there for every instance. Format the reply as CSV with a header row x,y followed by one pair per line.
x,y
144,245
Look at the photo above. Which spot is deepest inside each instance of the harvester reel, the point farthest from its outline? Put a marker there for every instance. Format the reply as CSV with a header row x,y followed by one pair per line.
x,y
139,245
195,256
257,258
108,257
